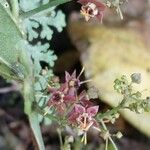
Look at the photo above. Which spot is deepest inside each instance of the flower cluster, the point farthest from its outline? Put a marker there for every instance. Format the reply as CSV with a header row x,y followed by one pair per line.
x,y
77,108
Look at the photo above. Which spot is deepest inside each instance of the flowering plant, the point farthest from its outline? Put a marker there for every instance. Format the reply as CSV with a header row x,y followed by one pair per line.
x,y
23,26
78,112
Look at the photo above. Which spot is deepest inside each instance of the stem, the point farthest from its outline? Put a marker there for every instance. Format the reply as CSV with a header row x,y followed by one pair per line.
x,y
34,124
60,138
15,8
114,145
51,3
112,111
106,144
120,12
108,113
28,93
109,137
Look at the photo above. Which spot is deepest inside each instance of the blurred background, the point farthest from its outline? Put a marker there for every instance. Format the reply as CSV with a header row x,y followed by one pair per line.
x,y
116,47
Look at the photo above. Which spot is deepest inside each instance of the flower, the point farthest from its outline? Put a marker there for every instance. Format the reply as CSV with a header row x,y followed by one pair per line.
x,y
72,82
60,98
83,117
91,9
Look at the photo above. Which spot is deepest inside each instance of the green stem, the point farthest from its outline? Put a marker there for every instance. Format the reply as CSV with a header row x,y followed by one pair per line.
x,y
109,113
114,145
15,8
109,137
106,144
60,138
28,93
51,3
34,124
112,111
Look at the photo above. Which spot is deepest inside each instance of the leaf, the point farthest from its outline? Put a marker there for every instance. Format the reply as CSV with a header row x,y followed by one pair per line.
x,y
13,63
39,27
46,21
27,5
34,123
29,98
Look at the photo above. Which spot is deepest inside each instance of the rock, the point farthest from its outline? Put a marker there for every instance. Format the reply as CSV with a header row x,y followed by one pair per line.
x,y
108,53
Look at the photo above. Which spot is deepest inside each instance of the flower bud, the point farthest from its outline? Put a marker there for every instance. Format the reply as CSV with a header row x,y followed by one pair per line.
x,y
119,135
136,78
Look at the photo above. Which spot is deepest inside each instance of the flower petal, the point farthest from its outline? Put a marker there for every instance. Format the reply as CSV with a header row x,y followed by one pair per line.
x,y
79,109
73,76
98,4
86,103
72,118
83,96
92,111
67,76
69,98
95,123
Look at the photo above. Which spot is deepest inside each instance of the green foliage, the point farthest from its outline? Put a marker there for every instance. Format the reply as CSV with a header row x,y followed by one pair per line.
x,y
39,27
52,19
132,99
21,60
27,5
13,61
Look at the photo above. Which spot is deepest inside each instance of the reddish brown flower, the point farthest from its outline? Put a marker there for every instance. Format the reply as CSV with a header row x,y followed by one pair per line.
x,y
66,95
83,117
72,80
91,9
60,98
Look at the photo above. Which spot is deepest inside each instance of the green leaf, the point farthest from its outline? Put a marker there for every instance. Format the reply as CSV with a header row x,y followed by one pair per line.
x,y
27,5
29,98
39,27
50,4
47,21
13,61
34,123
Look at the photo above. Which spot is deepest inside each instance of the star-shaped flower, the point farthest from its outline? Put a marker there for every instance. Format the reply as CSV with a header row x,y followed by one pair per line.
x,y
60,98
83,117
